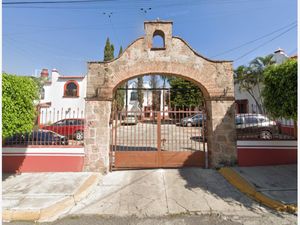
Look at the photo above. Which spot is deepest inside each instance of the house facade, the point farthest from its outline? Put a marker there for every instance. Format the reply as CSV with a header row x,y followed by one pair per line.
x,y
132,103
61,97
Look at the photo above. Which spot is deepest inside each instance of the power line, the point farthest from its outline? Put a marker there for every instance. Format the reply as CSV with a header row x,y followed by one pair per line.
x,y
51,2
266,42
252,41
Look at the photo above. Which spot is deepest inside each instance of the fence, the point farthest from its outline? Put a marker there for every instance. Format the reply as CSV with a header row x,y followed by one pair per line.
x,y
54,127
258,126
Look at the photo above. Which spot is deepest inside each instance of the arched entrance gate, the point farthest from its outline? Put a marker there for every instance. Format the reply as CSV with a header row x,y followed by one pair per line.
x,y
175,57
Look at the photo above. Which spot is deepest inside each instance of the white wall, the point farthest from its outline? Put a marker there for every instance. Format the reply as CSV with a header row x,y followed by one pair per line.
x,y
66,107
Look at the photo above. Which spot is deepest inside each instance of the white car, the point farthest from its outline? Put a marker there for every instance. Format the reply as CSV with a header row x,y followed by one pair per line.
x,y
130,120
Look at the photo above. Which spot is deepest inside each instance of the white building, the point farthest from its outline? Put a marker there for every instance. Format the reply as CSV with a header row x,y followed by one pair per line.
x,y
132,104
61,97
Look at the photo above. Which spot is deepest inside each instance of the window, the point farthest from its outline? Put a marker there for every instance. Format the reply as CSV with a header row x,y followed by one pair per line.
x,y
238,120
252,120
158,41
60,123
42,93
242,106
71,89
133,96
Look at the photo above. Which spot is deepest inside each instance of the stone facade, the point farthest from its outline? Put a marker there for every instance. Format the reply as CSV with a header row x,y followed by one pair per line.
x,y
97,136
177,58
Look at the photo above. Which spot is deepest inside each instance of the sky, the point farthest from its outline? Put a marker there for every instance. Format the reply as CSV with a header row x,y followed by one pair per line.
x,y
66,36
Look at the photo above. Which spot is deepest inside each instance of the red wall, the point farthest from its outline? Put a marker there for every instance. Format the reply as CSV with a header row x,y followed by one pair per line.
x,y
12,164
264,153
42,159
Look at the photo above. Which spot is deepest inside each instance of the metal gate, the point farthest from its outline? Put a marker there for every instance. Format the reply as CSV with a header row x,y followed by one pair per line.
x,y
158,139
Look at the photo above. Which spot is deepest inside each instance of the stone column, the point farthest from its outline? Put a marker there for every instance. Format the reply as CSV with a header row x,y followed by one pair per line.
x,y
97,136
221,132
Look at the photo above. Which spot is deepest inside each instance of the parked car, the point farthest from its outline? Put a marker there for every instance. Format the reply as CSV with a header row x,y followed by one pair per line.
x,y
39,137
71,128
255,126
130,120
194,120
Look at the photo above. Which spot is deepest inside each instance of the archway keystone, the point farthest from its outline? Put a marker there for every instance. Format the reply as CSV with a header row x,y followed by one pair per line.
x,y
214,78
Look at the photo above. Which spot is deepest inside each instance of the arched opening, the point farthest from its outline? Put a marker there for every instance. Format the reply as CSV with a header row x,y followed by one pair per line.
x,y
160,121
158,41
71,89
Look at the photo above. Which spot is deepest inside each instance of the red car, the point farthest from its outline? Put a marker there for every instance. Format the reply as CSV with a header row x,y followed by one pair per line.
x,y
72,128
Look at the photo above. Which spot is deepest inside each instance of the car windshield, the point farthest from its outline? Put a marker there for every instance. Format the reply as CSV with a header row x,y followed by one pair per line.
x,y
238,120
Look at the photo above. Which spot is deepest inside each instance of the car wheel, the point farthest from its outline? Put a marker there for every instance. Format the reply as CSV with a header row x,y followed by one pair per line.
x,y
266,135
189,124
78,135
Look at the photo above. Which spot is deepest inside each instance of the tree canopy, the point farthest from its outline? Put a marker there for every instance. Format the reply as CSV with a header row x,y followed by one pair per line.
x,y
280,91
118,103
108,51
18,106
185,94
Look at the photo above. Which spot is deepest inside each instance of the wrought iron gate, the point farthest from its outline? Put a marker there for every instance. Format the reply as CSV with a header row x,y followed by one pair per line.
x,y
158,139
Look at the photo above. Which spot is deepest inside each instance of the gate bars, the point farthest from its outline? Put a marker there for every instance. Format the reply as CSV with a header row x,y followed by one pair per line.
x,y
152,139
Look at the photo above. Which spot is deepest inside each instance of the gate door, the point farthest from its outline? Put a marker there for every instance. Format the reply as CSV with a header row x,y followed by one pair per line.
x,y
157,139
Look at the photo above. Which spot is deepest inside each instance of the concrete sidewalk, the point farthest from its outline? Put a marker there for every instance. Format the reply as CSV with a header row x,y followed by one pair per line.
x,y
43,196
161,192
273,186
145,193
277,182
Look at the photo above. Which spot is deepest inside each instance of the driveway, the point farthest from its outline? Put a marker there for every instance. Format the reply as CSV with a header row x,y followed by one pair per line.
x,y
165,192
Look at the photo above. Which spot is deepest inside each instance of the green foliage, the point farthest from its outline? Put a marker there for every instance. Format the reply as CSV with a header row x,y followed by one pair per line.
x,y
120,51
118,103
108,51
119,98
280,91
140,92
250,77
185,94
18,108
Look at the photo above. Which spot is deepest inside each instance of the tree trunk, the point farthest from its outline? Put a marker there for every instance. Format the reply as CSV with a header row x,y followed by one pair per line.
x,y
257,103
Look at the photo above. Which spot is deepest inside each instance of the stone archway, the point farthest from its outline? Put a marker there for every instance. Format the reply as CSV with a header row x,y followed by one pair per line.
x,y
176,57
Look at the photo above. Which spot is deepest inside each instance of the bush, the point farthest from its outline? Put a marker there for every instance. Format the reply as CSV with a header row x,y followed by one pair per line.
x,y
18,106
280,92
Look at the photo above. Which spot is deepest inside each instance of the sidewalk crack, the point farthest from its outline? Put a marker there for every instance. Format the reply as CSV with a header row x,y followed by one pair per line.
x,y
166,196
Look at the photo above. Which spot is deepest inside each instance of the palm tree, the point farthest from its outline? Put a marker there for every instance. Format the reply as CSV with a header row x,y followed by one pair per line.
x,y
247,80
257,67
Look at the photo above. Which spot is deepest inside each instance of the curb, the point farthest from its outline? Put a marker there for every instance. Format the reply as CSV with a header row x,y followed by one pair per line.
x,y
245,187
51,212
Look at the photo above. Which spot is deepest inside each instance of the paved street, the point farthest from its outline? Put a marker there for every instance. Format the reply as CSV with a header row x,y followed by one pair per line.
x,y
267,219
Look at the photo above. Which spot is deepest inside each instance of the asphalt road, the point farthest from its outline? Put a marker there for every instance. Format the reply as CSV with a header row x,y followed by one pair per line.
x,y
172,220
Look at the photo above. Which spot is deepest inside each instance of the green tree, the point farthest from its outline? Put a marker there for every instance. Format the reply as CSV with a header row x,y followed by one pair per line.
x,y
257,66
120,51
19,94
140,93
108,51
185,94
119,94
251,77
280,91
